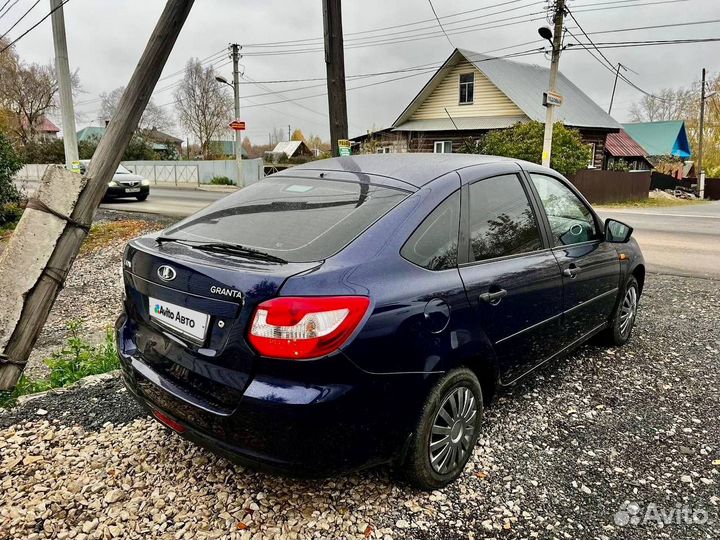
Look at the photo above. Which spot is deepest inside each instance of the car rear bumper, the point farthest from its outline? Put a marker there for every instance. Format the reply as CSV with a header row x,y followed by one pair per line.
x,y
293,428
121,191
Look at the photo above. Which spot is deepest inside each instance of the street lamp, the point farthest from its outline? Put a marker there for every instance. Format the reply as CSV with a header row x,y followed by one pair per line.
x,y
223,80
546,33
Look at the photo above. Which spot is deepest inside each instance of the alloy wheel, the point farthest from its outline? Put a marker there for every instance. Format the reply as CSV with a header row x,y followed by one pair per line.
x,y
452,430
628,310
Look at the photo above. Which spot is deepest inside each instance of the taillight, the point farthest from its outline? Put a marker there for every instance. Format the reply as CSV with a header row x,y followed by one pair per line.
x,y
297,328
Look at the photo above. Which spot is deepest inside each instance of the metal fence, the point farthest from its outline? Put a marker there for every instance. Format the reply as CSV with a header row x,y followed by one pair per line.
x,y
612,186
32,171
159,171
198,172
180,173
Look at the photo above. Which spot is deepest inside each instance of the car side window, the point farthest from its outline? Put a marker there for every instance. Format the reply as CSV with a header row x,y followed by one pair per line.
x,y
502,221
571,221
434,244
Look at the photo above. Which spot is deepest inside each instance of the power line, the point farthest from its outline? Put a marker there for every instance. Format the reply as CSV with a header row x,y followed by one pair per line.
x,y
8,9
429,70
306,41
20,19
33,27
301,45
653,27
440,24
611,65
611,68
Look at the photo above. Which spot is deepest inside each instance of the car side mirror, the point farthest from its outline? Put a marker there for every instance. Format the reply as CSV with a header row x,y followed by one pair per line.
x,y
617,232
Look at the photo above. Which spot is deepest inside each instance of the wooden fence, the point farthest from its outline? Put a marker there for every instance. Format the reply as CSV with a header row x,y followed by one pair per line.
x,y
611,186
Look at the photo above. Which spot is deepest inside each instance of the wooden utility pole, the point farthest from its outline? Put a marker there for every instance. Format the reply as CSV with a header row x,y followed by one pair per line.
x,y
40,253
62,69
335,66
557,47
617,75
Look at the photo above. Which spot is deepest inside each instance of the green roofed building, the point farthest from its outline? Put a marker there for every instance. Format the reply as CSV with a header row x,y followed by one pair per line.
x,y
666,138
90,133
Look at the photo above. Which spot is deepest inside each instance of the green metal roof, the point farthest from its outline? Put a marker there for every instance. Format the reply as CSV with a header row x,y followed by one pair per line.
x,y
90,132
666,138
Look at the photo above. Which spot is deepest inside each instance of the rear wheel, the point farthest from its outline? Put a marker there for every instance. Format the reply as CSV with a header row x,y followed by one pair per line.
x,y
623,320
142,197
447,431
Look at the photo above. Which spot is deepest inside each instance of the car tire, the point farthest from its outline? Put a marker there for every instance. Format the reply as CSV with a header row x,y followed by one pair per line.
x,y
143,197
621,325
446,432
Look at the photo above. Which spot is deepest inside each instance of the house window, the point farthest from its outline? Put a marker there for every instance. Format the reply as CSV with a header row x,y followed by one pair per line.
x,y
384,150
443,147
591,162
467,88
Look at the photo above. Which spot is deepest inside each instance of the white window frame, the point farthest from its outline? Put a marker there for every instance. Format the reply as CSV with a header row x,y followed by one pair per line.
x,y
444,146
470,84
384,150
591,163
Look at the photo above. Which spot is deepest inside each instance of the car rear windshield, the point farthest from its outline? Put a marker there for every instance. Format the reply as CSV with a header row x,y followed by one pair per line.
x,y
296,219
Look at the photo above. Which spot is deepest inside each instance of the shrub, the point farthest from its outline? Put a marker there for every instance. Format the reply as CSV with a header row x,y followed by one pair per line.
x,y
10,164
525,141
619,165
221,181
77,359
9,216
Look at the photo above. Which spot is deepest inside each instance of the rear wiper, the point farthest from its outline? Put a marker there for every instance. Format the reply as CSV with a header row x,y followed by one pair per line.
x,y
222,247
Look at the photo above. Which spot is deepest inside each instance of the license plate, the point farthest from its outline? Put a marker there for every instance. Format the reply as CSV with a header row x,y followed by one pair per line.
x,y
186,321
132,190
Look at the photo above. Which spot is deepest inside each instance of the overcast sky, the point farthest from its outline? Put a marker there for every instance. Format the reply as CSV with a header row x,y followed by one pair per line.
x,y
106,38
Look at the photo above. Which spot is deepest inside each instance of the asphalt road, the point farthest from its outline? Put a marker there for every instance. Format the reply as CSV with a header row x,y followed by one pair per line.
x,y
682,240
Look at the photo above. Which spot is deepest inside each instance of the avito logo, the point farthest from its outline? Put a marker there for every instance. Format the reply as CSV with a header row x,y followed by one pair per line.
x,y
174,316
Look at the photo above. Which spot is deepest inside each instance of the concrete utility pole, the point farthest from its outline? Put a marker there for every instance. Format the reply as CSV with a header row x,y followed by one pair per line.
x,y
62,70
288,132
235,49
699,169
617,75
550,113
48,237
335,66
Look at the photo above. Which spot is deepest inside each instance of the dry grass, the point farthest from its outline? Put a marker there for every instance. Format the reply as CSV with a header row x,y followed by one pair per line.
x,y
651,203
104,233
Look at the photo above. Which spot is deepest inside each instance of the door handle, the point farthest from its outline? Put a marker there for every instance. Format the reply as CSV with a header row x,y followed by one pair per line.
x,y
493,297
571,271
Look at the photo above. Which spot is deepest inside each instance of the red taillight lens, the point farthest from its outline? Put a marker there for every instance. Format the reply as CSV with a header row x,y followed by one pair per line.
x,y
298,328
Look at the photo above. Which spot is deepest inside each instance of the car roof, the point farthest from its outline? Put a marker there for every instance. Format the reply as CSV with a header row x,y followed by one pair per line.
x,y
416,169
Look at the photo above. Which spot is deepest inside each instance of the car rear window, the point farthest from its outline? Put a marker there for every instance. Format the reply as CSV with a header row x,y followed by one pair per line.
x,y
296,219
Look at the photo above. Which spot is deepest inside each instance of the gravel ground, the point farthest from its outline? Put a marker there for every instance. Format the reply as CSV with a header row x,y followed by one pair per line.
x,y
577,451
94,275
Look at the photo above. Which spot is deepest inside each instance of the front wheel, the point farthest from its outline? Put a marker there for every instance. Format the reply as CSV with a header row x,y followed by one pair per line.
x,y
142,197
621,326
447,431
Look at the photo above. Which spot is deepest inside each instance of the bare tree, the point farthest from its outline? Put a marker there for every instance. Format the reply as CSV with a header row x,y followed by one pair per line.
x,y
154,116
668,104
27,93
203,106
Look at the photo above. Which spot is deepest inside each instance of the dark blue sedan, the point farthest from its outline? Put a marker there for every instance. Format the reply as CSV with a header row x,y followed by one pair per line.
x,y
364,310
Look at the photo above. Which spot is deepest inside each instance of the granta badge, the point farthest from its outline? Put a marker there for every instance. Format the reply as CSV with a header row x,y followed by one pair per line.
x,y
231,293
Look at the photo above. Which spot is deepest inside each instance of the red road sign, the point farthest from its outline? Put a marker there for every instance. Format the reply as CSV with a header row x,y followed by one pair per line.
x,y
237,125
